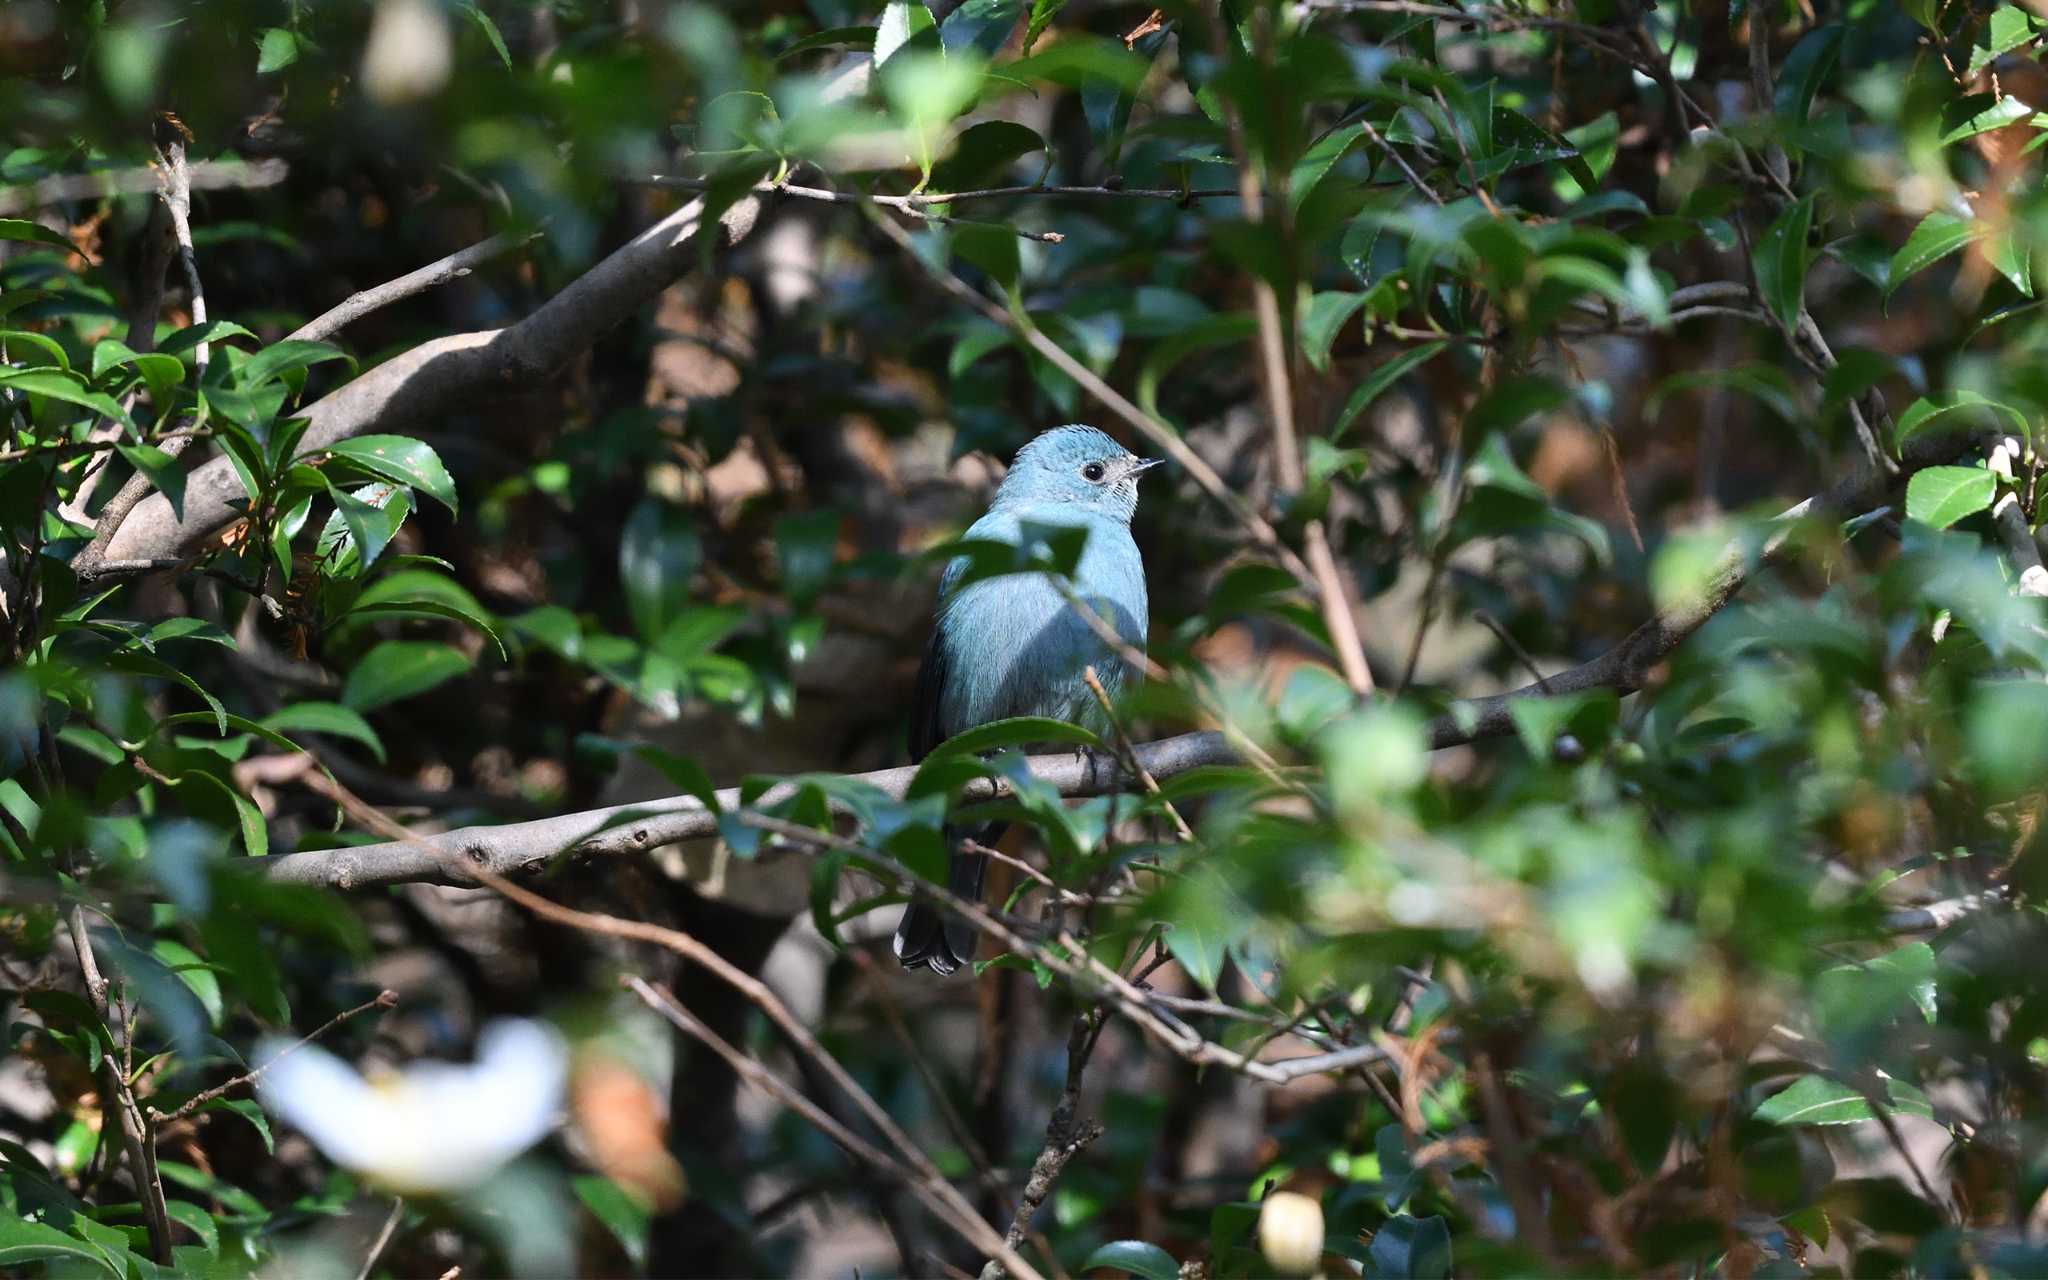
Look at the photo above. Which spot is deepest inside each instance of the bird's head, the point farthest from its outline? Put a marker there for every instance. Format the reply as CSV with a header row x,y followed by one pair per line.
x,y
1075,467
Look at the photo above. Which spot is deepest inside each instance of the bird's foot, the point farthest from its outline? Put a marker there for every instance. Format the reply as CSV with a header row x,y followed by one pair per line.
x,y
1098,766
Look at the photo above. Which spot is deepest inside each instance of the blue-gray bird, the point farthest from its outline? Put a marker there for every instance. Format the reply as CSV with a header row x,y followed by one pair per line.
x,y
1014,645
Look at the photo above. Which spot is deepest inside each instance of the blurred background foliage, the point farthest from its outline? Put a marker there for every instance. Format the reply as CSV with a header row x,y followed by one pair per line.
x,y
1507,332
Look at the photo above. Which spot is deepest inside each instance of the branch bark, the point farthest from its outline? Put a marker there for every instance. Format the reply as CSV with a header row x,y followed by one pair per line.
x,y
438,376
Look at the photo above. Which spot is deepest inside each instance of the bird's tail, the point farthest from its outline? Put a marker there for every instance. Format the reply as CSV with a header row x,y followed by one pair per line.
x,y
929,935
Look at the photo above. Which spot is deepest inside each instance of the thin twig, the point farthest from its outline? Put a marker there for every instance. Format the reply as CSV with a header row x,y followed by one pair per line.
x,y
1130,754
383,1000
921,199
453,267
913,206
383,1237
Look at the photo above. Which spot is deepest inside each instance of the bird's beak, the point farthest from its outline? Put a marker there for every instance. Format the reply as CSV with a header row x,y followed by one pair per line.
x,y
1143,465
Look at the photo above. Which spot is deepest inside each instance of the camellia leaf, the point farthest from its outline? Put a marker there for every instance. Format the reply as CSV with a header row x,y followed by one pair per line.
x,y
329,718
399,459
1781,262
1017,731
31,232
1321,320
1134,1257
1381,378
1925,412
1940,496
399,669
1816,1099
1939,234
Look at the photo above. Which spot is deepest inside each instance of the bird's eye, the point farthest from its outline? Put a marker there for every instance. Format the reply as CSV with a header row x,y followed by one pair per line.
x,y
1092,472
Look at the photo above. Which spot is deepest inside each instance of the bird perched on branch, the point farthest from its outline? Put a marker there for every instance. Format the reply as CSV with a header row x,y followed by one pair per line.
x,y
1016,645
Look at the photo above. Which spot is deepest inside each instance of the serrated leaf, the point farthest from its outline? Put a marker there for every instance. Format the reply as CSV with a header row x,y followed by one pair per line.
x,y
1940,496
2007,29
901,23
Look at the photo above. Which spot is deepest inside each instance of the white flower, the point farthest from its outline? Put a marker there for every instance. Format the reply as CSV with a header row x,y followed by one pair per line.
x,y
433,1126
409,52
1291,1232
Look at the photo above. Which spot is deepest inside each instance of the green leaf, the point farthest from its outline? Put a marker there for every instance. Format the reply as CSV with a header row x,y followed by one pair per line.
x,y
2007,29
832,38
276,49
1923,413
1042,14
1413,1247
981,25
53,384
1134,1257
1017,731
255,832
196,1220
622,1215
658,556
329,718
401,460
371,516
212,331
1976,113
23,1242
163,472
475,13
1321,320
1781,262
992,249
399,669
248,1111
196,974
984,152
162,374
1805,69
1940,496
423,593
1377,382
1816,1099
30,232
1939,234
289,356
901,24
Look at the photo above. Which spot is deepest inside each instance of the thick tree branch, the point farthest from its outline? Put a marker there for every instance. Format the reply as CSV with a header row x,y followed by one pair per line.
x,y
440,376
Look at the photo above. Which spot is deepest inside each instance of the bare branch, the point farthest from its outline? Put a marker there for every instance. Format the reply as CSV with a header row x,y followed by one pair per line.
x,y
206,175
438,375
383,1000
453,267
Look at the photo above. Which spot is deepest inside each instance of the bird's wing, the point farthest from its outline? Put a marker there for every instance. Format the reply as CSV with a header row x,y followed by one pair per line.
x,y
926,731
